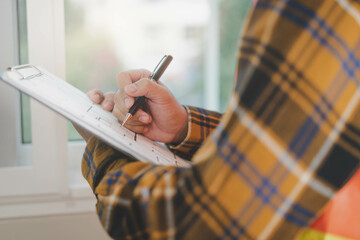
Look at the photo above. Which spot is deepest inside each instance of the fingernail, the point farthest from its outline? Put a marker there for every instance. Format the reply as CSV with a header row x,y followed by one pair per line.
x,y
127,102
143,118
131,88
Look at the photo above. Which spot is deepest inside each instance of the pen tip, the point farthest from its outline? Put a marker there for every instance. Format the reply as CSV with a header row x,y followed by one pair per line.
x,y
127,118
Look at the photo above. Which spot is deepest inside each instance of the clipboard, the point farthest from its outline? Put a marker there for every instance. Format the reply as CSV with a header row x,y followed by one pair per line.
x,y
73,104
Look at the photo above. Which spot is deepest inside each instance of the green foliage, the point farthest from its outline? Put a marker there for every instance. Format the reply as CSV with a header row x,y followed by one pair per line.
x,y
24,59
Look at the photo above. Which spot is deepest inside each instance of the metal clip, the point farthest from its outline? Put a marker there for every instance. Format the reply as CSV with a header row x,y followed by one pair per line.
x,y
17,68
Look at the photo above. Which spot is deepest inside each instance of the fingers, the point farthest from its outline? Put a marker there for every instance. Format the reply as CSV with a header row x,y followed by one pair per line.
x,y
128,77
123,101
106,101
140,117
138,123
145,87
122,104
96,96
123,79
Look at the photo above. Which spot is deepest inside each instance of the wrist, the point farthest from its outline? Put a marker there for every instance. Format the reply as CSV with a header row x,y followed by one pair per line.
x,y
183,129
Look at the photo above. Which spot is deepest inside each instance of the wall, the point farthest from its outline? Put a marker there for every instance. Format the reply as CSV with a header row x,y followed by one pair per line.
x,y
61,227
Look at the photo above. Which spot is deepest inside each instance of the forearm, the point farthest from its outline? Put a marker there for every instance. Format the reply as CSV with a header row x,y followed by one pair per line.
x,y
100,159
133,197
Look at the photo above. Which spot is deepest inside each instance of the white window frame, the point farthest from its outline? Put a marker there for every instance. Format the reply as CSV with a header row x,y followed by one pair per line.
x,y
43,188
8,104
40,177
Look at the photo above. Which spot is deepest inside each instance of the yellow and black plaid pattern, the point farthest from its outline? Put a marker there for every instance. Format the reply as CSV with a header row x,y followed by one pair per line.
x,y
287,142
201,123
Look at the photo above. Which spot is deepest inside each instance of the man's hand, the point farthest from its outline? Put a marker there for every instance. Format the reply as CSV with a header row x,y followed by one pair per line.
x,y
164,119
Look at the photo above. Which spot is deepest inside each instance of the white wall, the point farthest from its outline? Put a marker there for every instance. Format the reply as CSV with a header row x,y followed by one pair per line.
x,y
60,227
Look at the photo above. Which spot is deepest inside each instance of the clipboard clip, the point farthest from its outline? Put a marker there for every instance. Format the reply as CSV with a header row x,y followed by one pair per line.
x,y
17,69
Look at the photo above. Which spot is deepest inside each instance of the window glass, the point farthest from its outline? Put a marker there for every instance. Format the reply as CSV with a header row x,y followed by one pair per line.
x,y
13,152
23,59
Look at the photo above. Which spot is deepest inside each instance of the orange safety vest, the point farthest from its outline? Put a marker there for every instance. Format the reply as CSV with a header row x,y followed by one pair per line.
x,y
341,217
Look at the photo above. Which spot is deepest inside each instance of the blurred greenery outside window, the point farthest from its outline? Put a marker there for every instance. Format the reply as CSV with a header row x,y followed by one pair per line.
x,y
105,37
232,14
23,59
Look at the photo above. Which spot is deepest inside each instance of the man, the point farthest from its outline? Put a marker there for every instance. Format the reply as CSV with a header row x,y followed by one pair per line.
x,y
285,145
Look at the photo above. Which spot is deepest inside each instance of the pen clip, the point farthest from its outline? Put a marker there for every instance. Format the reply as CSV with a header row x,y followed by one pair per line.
x,y
160,67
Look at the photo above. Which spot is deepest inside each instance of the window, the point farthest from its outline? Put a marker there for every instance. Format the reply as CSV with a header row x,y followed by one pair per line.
x,y
40,151
40,186
11,147
22,166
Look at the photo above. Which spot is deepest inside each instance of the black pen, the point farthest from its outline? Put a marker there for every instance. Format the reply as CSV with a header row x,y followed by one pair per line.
x,y
155,76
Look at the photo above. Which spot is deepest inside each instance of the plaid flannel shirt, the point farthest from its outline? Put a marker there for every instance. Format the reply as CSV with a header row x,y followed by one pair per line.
x,y
288,141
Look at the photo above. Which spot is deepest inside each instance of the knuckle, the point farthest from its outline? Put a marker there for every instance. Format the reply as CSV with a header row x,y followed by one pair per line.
x,y
146,73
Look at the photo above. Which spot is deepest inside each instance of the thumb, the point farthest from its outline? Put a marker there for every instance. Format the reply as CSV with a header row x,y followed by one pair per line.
x,y
144,87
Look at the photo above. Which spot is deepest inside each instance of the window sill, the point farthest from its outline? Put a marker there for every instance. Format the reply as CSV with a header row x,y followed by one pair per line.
x,y
80,199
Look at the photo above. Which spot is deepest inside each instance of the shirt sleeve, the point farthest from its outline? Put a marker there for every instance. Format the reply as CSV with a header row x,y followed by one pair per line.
x,y
288,141
201,123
